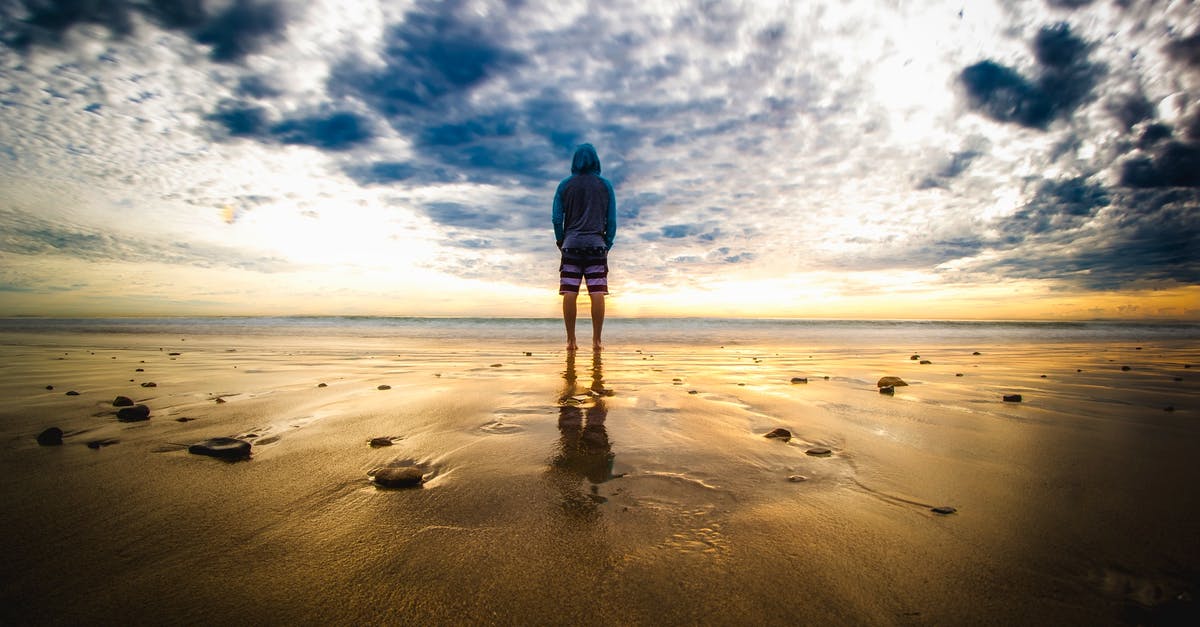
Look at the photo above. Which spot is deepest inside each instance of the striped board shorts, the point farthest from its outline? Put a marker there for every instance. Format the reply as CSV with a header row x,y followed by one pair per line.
x,y
583,265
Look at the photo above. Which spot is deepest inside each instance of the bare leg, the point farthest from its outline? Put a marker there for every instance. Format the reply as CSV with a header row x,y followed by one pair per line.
x,y
569,318
597,319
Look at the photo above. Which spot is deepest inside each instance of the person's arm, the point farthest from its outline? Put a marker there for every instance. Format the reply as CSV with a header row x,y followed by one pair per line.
x,y
556,216
610,226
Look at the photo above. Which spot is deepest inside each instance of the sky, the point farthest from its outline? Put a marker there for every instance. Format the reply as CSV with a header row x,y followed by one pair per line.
x,y
849,159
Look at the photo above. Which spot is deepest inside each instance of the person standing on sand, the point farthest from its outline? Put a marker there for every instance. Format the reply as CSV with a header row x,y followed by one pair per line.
x,y
585,225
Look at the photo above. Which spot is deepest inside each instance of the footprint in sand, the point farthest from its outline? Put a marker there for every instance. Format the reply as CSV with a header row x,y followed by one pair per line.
x,y
499,427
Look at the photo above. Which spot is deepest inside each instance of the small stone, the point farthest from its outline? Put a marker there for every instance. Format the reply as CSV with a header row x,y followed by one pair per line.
x,y
137,413
72,393
890,381
220,400
819,451
944,510
797,478
958,374
49,387
977,353
1126,368
96,444
496,365
1043,376
50,437
172,354
887,389
139,369
925,362
402,477
322,385
1169,408
1012,398
528,354
378,442
222,448
693,392
780,433
149,384
384,387
799,380
122,401
184,419
915,357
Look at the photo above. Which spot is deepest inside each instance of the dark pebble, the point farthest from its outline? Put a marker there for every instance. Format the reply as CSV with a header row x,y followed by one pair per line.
x,y
322,385
1012,398
915,357
1043,376
149,384
797,478
1126,368
944,510
497,365
184,419
977,353
958,374
887,389
925,362
403,477
528,354
49,387
220,400
72,393
96,444
139,369
222,448
781,433
693,392
122,401
50,437
136,413
172,354
384,387
819,451
799,380
378,442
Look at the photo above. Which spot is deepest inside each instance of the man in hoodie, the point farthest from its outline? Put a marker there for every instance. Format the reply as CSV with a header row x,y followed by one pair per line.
x,y
585,224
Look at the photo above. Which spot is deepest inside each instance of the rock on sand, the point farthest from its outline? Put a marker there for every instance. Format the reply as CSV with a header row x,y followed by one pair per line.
x,y
402,477
222,448
122,401
780,433
1012,398
890,382
133,414
50,437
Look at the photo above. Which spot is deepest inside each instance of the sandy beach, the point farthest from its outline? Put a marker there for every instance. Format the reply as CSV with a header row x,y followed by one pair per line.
x,y
630,487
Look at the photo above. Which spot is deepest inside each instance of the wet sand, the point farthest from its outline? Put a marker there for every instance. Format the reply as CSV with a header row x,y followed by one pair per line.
x,y
636,488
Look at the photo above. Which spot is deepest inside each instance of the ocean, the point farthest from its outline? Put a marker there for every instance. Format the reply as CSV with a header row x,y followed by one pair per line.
x,y
623,331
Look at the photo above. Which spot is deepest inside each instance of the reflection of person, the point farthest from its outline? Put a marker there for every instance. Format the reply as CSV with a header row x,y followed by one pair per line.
x,y
584,451
585,224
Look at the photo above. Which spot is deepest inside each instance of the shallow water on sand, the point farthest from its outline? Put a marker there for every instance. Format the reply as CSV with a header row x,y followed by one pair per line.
x,y
633,487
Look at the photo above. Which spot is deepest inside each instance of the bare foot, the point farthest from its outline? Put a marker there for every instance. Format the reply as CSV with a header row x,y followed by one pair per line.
x,y
596,348
571,346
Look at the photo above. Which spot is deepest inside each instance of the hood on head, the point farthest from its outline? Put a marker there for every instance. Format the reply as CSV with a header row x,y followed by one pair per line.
x,y
586,160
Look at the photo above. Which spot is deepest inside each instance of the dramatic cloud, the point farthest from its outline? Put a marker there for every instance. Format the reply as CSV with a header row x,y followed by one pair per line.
x,y
1055,142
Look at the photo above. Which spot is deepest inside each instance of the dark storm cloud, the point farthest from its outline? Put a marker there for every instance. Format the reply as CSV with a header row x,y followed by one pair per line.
x,y
1057,206
333,131
1064,81
1172,164
240,28
27,234
1077,231
1186,50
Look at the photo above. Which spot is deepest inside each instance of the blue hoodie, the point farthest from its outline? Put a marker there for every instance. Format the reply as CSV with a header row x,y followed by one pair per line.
x,y
585,205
